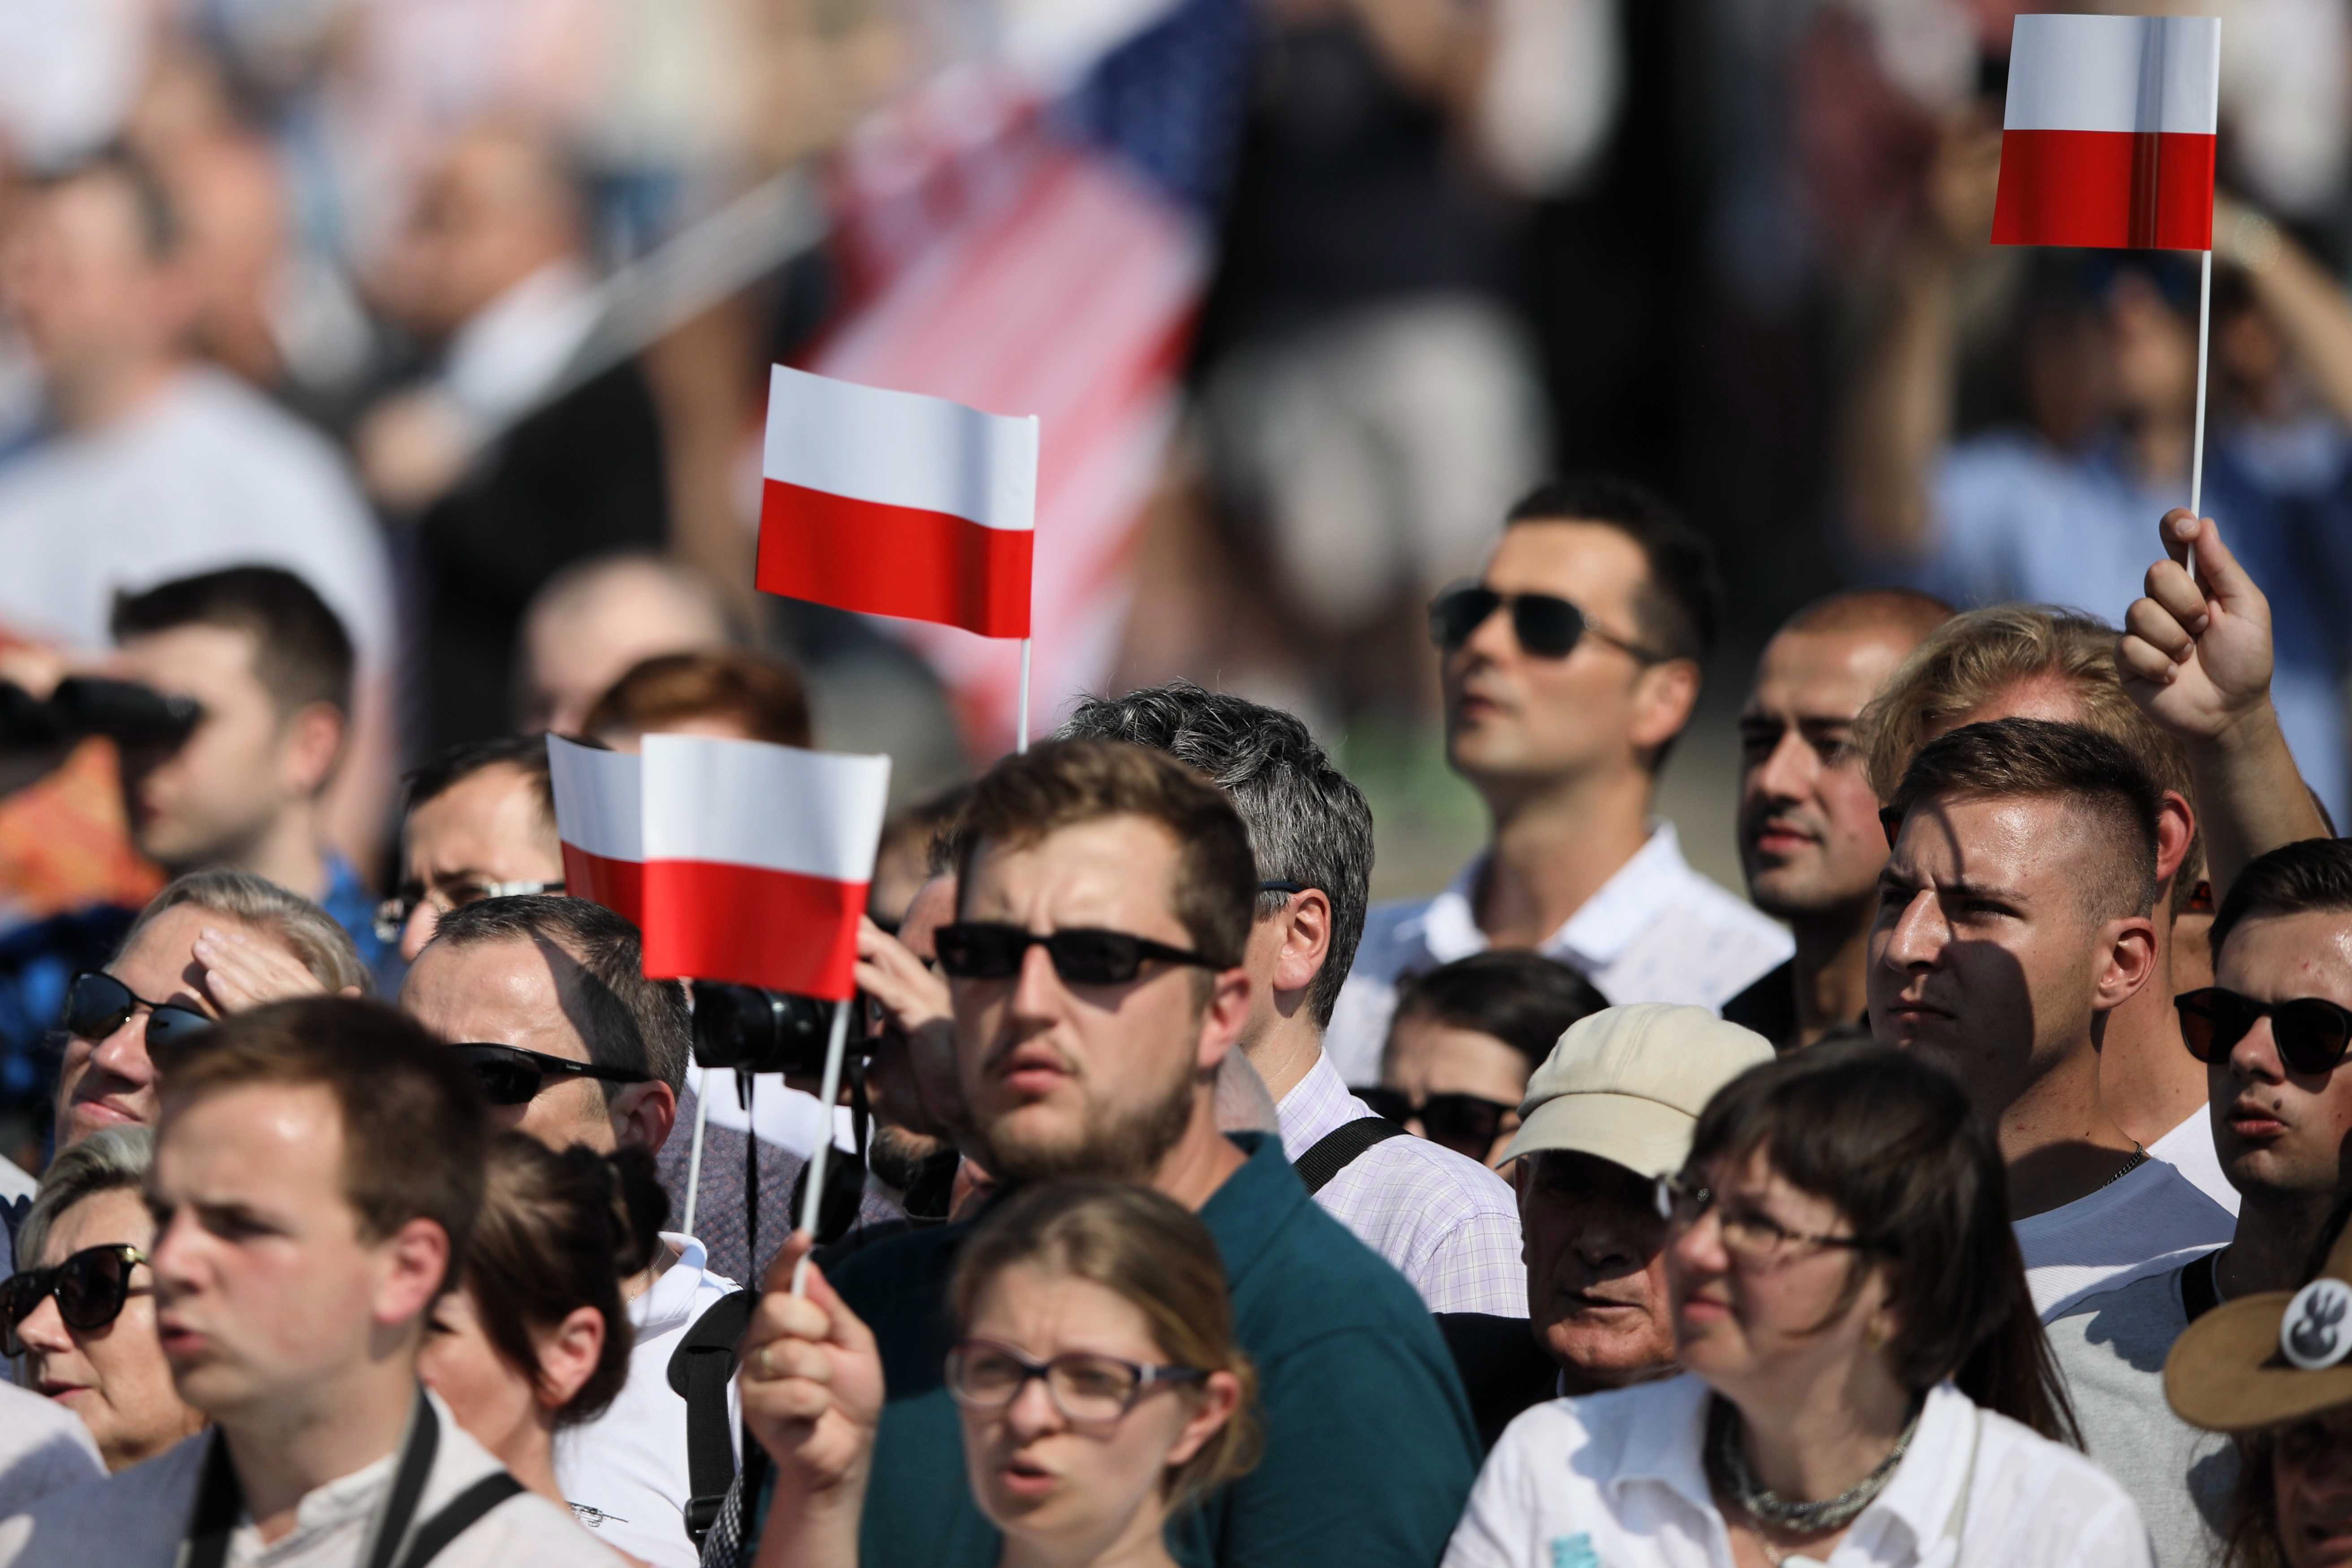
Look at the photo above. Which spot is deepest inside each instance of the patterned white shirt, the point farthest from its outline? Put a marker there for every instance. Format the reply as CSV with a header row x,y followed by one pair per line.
x,y
1448,1224
1656,930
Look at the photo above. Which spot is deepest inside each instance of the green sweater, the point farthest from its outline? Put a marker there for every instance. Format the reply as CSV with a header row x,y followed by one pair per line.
x,y
1370,1449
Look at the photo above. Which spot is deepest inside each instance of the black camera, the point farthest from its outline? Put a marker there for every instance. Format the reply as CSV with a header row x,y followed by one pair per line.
x,y
124,711
745,1029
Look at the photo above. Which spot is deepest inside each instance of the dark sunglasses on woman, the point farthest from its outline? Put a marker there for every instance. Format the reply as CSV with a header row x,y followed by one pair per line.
x,y
1466,1124
96,1005
512,1076
90,1286
985,949
1547,625
2312,1031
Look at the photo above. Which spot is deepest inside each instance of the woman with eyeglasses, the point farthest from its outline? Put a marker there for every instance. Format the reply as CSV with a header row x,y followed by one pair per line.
x,y
1464,1041
536,1337
1095,1370
82,1312
1867,1382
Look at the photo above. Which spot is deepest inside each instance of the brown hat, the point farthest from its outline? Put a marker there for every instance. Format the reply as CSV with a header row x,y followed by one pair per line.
x,y
2262,1360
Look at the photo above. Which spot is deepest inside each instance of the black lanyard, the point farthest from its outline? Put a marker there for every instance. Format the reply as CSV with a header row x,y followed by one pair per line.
x,y
219,1498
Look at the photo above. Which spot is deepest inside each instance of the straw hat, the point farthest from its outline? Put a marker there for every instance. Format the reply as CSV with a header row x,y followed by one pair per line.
x,y
2264,1360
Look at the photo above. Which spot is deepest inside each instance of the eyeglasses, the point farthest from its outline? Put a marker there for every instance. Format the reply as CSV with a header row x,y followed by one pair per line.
x,y
1751,1235
512,1076
985,949
1461,1122
96,1005
2312,1031
392,916
1547,625
90,1286
1088,1389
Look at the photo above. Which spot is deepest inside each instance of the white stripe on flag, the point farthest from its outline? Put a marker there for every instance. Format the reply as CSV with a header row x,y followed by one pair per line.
x,y
597,799
901,448
747,803
2143,74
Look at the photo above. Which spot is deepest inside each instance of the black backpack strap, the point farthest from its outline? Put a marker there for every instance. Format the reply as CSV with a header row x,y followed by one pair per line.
x,y
1337,1149
458,1516
698,1371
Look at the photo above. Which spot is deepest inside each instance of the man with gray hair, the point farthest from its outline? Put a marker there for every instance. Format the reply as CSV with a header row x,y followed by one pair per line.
x,y
1445,1221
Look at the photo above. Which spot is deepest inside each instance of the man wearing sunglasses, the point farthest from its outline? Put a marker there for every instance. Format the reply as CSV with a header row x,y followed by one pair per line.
x,y
2272,1032
1569,669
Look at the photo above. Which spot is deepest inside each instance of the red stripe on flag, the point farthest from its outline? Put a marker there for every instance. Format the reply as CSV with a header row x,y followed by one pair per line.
x,y
752,926
2111,189
893,560
618,885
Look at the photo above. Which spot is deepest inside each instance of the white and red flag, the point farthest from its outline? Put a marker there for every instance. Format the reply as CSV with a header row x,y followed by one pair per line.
x,y
752,859
894,503
2107,139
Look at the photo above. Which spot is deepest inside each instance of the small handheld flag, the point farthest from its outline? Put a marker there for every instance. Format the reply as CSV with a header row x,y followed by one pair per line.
x,y
600,818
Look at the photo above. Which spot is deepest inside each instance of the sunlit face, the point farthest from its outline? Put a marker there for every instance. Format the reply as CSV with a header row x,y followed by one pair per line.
x,y
1428,1056
1754,1329
114,1377
1595,1246
2311,1485
490,827
491,1398
2275,1130
1059,1077
1810,839
508,992
1075,1495
111,1082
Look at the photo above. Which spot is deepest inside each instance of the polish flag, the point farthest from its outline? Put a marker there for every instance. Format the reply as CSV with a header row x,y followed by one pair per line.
x,y
2108,136
757,860
894,503
601,820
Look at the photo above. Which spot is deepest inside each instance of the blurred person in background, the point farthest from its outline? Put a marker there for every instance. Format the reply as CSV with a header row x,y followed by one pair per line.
x,y
160,467
597,619
508,468
2036,661
81,1312
1466,1039
534,1341
911,855
478,823
1569,668
728,693
1811,844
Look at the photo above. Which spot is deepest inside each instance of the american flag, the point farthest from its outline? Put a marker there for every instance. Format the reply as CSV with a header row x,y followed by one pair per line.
x,y
1032,255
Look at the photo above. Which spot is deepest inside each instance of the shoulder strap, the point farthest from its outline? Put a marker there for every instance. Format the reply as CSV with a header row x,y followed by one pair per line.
x,y
458,1516
1337,1149
698,1371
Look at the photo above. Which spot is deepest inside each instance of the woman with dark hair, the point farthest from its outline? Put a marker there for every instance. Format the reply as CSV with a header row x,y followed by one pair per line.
x,y
535,1338
1464,1041
1866,1376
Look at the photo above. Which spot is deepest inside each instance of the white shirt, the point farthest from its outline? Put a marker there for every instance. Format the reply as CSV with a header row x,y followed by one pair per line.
x,y
144,1514
1445,1222
2149,1219
44,1447
624,1472
1655,930
1618,1479
206,474
2189,1149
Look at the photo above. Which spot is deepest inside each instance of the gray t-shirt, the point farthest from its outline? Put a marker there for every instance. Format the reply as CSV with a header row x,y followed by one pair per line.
x,y
2111,1347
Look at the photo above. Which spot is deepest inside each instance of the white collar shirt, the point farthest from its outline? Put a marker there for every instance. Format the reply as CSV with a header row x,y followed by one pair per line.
x,y
1618,1479
1656,930
625,1473
1445,1222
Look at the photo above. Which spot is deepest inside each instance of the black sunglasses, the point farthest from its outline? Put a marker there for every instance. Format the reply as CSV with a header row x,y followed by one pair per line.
x,y
512,1076
96,1005
2312,1031
90,1286
988,950
1466,1124
1547,625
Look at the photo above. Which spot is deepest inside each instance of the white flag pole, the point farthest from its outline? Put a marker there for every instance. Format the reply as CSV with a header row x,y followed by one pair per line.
x,y
826,1096
1020,720
694,1158
2197,440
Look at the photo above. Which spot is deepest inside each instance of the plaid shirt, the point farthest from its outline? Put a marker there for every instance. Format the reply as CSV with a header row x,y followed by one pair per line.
x,y
1448,1224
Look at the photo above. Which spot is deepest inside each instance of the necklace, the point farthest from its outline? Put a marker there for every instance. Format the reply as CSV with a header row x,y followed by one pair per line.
x,y
1728,1466
2139,1158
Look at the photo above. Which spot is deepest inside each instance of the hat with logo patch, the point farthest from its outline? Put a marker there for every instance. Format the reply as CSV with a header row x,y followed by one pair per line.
x,y
2269,1358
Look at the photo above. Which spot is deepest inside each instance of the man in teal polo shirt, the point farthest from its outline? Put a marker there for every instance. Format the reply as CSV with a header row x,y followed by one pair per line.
x,y
1098,1055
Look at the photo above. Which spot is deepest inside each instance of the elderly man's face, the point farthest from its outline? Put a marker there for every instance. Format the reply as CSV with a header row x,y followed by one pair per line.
x,y
1595,1249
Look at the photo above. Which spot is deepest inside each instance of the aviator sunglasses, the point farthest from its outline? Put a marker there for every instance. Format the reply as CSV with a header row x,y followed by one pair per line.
x,y
96,1005
1547,625
987,950
90,1286
2312,1031
512,1076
